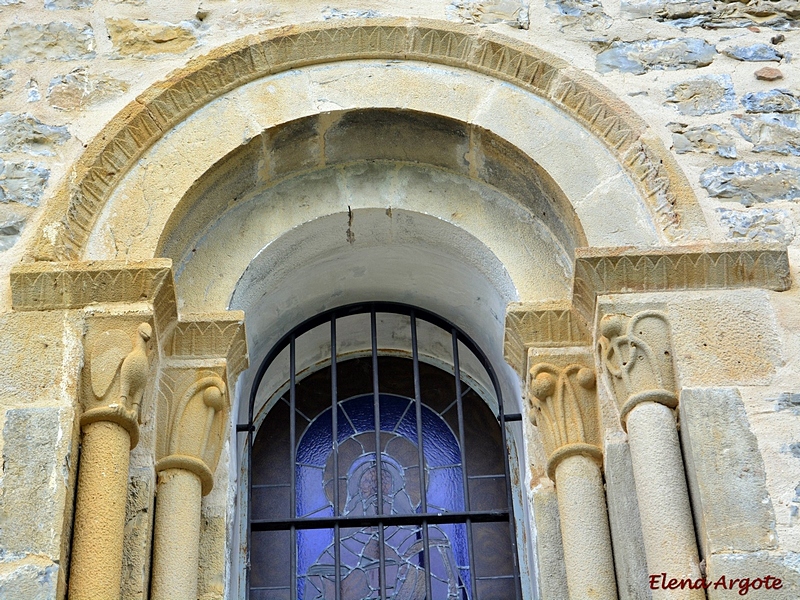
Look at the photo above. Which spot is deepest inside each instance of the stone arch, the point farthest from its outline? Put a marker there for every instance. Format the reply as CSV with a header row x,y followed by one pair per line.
x,y
72,214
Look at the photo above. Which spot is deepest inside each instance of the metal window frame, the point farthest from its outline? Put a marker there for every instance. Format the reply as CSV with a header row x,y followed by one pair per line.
x,y
423,519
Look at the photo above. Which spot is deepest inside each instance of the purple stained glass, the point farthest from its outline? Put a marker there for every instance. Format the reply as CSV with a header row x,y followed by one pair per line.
x,y
405,557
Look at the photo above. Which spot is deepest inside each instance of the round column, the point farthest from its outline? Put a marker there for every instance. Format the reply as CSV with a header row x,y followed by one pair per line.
x,y
667,526
176,544
584,529
96,563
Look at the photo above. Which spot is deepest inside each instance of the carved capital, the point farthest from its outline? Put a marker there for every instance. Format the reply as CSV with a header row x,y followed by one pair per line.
x,y
636,353
116,371
564,406
198,406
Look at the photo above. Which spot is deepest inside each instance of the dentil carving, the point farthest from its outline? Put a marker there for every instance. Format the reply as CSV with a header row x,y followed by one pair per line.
x,y
563,404
637,355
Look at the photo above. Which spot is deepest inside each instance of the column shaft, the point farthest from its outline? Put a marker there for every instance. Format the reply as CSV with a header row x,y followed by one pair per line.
x,y
96,567
584,529
667,527
176,547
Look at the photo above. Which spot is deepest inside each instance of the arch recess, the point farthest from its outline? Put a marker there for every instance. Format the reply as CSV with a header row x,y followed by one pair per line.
x,y
71,217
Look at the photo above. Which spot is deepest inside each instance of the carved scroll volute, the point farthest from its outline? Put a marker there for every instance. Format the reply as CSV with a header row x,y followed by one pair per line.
x,y
198,429
118,365
636,353
564,406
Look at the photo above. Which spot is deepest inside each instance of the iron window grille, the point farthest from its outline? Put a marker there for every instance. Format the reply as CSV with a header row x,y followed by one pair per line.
x,y
388,530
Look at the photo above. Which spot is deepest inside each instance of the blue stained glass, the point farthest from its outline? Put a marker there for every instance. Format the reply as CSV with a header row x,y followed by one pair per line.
x,y
358,495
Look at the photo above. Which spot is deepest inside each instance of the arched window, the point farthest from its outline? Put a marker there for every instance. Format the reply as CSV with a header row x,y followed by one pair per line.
x,y
379,469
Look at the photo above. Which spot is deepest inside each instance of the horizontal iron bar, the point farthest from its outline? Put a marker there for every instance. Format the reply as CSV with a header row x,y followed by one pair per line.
x,y
245,427
512,417
490,516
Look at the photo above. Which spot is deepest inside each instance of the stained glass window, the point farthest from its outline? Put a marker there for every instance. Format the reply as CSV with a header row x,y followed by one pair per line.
x,y
381,477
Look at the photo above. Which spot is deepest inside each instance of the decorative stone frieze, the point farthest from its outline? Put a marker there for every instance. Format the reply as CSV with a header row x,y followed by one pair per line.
x,y
637,355
600,271
563,404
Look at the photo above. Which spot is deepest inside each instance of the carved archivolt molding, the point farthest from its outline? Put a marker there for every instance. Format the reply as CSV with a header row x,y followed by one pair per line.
x,y
71,215
636,353
563,404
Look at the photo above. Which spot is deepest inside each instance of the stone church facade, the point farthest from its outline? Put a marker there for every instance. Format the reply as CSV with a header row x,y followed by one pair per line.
x,y
595,201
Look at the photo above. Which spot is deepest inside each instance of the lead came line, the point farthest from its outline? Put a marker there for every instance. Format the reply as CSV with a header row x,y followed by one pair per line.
x,y
337,534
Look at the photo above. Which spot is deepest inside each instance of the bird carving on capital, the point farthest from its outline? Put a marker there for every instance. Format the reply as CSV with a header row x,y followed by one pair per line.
x,y
114,357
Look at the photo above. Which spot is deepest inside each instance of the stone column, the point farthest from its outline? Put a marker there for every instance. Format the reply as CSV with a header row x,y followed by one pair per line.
x,y
564,406
117,371
637,355
195,436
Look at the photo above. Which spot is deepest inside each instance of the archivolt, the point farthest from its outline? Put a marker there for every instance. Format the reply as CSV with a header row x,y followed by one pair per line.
x,y
72,214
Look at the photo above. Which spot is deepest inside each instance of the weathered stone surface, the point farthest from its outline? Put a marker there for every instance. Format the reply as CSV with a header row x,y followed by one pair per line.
x,y
33,90
725,472
710,139
22,182
143,38
69,4
37,477
53,41
787,401
32,581
666,9
549,549
509,12
10,230
750,183
25,133
771,132
754,53
709,94
758,224
335,13
776,100
78,89
768,74
588,14
642,56
138,531
6,80
623,516
785,566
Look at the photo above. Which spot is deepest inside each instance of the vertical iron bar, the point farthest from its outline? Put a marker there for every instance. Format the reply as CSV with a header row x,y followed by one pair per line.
x,y
420,453
509,497
292,468
373,324
337,551
249,441
464,474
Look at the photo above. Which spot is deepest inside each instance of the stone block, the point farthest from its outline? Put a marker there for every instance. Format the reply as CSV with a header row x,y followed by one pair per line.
x,y
725,338
588,14
11,224
53,41
709,94
22,182
6,80
78,89
508,12
770,132
751,183
67,4
29,581
754,53
25,133
642,56
623,516
727,480
38,476
54,339
710,139
552,573
758,224
142,38
775,100
756,565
